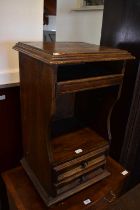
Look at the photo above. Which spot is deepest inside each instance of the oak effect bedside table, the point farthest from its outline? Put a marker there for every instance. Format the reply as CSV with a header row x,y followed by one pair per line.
x,y
68,91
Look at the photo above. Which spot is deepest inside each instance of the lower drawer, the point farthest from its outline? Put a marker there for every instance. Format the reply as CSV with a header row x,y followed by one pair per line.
x,y
81,169
80,165
100,195
83,181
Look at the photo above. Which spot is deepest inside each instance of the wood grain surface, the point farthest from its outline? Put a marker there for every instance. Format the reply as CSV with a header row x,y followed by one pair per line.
x,y
70,52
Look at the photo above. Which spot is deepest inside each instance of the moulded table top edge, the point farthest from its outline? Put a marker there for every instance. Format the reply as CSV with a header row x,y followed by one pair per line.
x,y
71,52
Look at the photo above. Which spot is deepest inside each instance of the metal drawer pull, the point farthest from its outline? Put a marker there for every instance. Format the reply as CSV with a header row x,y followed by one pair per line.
x,y
112,198
83,179
84,164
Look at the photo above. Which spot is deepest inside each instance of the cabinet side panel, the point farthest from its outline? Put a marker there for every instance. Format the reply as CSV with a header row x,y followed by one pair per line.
x,y
37,104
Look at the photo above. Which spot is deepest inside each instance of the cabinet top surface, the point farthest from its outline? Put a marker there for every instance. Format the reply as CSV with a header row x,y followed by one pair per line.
x,y
70,52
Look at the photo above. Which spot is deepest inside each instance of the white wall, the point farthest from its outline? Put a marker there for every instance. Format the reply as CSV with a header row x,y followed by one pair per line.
x,y
82,26
19,21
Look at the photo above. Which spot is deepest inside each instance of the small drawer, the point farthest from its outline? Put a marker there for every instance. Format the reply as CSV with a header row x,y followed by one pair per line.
x,y
82,168
80,165
82,181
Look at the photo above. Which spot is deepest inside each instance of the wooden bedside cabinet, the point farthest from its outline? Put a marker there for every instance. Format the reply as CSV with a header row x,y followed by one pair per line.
x,y
68,91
